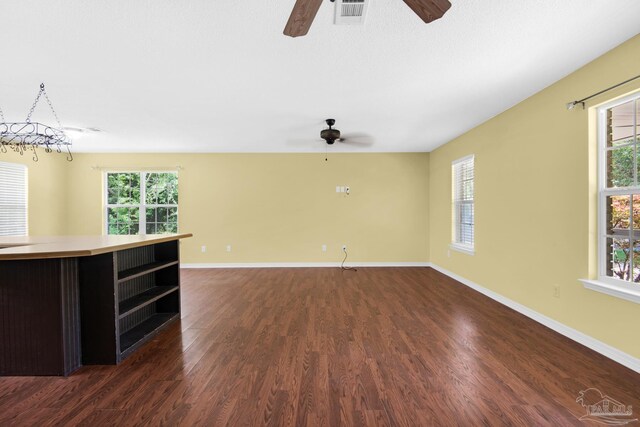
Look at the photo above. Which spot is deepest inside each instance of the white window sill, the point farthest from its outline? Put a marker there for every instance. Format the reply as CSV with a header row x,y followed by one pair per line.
x,y
613,290
469,250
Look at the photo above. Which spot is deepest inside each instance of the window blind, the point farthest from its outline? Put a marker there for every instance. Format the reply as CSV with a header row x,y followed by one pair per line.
x,y
463,194
13,199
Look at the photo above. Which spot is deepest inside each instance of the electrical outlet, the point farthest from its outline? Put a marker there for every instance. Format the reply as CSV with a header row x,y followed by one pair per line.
x,y
344,248
337,188
324,248
203,248
556,291
228,248
448,253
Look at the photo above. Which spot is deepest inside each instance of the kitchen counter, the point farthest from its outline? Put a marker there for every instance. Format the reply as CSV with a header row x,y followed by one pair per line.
x,y
16,248
69,301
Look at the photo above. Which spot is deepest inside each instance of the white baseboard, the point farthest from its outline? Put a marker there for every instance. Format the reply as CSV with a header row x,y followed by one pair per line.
x,y
612,353
303,264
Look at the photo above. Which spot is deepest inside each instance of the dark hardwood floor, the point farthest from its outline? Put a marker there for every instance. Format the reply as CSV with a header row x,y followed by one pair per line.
x,y
320,346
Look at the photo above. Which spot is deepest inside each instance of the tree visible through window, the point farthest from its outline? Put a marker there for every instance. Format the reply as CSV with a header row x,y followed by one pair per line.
x,y
620,189
141,202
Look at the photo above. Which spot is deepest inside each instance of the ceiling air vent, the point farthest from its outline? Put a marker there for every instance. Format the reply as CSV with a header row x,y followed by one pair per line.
x,y
351,12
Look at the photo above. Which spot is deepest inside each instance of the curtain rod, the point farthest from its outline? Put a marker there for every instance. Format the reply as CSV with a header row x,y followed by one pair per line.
x,y
571,105
134,168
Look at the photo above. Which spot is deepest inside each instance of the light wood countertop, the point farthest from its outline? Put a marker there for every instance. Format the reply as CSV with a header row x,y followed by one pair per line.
x,y
16,248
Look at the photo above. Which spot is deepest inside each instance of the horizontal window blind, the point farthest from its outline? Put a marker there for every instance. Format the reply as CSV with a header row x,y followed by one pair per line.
x,y
463,205
13,199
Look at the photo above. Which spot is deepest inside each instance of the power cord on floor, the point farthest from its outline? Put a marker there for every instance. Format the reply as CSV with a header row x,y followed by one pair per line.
x,y
342,267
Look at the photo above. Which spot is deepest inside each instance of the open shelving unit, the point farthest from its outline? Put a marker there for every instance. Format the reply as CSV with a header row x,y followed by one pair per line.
x,y
133,294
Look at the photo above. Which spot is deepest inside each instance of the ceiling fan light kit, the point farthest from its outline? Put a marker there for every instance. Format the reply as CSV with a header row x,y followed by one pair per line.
x,y
353,12
330,135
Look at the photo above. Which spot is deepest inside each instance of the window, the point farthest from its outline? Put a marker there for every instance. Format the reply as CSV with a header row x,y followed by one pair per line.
x,y
619,193
141,202
463,216
13,199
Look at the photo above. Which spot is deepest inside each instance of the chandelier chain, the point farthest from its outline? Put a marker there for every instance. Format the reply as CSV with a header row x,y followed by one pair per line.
x,y
52,109
41,92
1,116
35,102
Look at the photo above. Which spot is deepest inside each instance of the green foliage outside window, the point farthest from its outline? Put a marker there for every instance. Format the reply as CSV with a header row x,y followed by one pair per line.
x,y
124,202
624,215
123,188
621,172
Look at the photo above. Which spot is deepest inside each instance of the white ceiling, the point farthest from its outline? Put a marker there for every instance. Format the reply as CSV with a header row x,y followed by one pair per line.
x,y
219,76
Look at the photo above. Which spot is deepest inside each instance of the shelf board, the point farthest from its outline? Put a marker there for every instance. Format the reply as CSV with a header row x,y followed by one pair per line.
x,y
146,329
144,269
136,302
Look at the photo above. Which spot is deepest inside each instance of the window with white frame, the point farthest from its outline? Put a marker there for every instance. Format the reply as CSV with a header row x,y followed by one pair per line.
x,y
619,192
463,209
13,199
141,202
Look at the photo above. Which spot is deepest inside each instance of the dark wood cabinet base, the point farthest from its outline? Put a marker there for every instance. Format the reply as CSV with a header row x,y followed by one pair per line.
x,y
40,317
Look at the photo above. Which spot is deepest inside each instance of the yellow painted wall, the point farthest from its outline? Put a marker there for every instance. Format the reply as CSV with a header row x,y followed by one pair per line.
x,y
279,207
47,182
535,203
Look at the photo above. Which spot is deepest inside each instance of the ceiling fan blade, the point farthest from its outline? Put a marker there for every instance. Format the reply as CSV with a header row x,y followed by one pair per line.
x,y
309,142
429,10
362,139
301,17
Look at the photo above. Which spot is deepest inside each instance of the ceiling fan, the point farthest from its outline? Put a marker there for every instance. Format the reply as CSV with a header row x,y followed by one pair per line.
x,y
305,11
332,135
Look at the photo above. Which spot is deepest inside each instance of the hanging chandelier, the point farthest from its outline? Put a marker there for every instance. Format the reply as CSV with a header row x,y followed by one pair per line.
x,y
26,136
